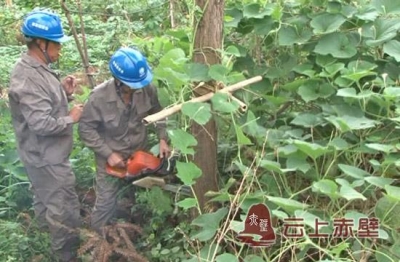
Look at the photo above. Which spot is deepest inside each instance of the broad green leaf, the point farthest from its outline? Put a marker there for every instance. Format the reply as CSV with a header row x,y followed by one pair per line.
x,y
18,172
187,203
209,224
305,69
342,181
347,123
309,219
222,103
331,70
393,192
312,150
386,6
298,163
381,147
255,11
237,226
226,257
342,82
382,255
327,23
310,92
187,172
252,128
294,85
307,120
356,70
174,77
381,31
381,182
325,60
279,214
290,35
199,112
233,50
182,141
219,72
327,187
271,165
9,156
263,26
355,217
242,139
392,48
367,13
388,212
339,143
289,205
353,171
339,248
391,92
351,92
350,193
335,44
334,7
232,17
218,197
197,72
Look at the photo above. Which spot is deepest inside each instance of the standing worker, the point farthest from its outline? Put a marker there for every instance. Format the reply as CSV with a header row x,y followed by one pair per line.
x,y
111,125
43,127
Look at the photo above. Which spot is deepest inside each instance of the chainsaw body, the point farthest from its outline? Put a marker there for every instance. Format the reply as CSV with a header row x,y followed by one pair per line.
x,y
141,164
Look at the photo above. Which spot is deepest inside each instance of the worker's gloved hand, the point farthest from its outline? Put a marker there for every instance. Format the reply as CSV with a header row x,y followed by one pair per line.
x,y
116,160
69,84
165,151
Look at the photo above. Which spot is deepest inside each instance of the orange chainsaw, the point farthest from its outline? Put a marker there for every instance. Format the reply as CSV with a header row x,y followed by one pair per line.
x,y
146,170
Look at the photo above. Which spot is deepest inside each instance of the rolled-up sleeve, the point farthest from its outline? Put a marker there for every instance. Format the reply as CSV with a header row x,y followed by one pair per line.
x,y
36,107
88,130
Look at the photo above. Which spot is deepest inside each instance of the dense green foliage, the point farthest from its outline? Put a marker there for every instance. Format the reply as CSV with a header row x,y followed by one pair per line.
x,y
319,140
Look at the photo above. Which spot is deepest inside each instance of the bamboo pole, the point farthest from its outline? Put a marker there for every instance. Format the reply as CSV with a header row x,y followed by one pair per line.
x,y
242,105
176,108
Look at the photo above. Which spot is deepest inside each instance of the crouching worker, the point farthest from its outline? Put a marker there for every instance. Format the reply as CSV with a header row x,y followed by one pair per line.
x,y
111,125
43,126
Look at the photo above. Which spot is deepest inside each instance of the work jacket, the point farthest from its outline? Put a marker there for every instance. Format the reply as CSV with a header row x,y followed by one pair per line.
x,y
39,109
108,125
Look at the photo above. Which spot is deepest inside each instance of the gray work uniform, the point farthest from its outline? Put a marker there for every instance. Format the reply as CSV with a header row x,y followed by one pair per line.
x,y
108,125
44,134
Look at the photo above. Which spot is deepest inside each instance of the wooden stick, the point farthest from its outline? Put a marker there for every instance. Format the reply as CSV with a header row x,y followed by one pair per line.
x,y
85,49
242,105
172,110
78,45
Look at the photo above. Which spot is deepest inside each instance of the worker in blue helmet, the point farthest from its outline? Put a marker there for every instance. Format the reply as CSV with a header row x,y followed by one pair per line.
x,y
43,126
111,125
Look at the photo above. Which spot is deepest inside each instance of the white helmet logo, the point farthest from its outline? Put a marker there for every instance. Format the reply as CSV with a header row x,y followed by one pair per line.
x,y
117,67
40,26
141,71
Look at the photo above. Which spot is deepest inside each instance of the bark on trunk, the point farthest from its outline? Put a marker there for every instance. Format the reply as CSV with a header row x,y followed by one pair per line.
x,y
208,39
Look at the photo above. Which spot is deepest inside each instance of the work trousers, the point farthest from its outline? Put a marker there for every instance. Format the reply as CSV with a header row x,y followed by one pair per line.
x,y
56,205
107,188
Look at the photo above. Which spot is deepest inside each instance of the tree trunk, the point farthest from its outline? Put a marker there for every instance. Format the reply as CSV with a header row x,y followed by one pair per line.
x,y
208,40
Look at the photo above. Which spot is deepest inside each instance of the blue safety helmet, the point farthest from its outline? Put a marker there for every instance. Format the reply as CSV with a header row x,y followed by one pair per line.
x,y
45,24
130,67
